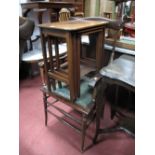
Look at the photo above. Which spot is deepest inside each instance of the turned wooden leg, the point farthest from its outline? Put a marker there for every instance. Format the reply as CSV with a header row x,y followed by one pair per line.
x,y
84,121
45,107
42,74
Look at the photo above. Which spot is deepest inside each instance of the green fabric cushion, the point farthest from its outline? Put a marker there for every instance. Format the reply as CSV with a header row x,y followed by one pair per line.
x,y
85,99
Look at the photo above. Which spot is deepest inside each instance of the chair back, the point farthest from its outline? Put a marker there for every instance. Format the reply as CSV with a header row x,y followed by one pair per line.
x,y
64,14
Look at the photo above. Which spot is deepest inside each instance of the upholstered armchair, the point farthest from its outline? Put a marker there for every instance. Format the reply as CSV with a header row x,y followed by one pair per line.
x,y
26,28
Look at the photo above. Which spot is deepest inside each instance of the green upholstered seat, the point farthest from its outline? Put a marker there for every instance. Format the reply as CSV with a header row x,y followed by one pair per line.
x,y
85,100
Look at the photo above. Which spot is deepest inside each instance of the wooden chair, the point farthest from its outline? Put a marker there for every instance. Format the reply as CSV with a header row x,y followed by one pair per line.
x,y
78,14
64,14
56,88
119,72
75,13
57,85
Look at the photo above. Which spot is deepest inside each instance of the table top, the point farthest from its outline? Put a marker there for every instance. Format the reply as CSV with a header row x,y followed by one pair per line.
x,y
73,25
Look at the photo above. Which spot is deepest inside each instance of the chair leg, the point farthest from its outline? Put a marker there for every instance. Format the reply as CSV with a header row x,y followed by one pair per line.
x,y
45,107
113,112
100,105
98,115
84,121
42,74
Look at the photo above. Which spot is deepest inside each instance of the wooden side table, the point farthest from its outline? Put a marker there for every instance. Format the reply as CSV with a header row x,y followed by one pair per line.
x,y
71,32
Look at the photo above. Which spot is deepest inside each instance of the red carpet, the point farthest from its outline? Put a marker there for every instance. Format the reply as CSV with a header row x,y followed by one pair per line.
x,y
56,138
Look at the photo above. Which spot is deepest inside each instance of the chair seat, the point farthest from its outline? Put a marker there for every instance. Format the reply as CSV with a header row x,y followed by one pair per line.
x,y
36,54
121,69
85,101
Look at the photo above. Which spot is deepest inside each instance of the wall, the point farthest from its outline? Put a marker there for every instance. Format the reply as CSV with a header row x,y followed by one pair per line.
x,y
97,7
92,7
107,6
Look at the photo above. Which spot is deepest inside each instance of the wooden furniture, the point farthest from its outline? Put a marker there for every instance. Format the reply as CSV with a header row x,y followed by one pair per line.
x,y
120,72
72,31
34,55
63,81
114,25
64,14
79,8
51,6
82,111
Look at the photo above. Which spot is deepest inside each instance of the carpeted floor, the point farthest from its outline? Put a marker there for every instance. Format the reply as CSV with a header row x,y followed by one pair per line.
x,y
56,138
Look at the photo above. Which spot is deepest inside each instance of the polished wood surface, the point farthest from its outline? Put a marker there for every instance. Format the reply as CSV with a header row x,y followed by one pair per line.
x,y
72,31
74,25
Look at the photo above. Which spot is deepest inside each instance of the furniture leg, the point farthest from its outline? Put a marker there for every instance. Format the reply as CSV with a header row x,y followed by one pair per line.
x,y
41,66
84,121
113,112
45,107
99,112
100,93
97,125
